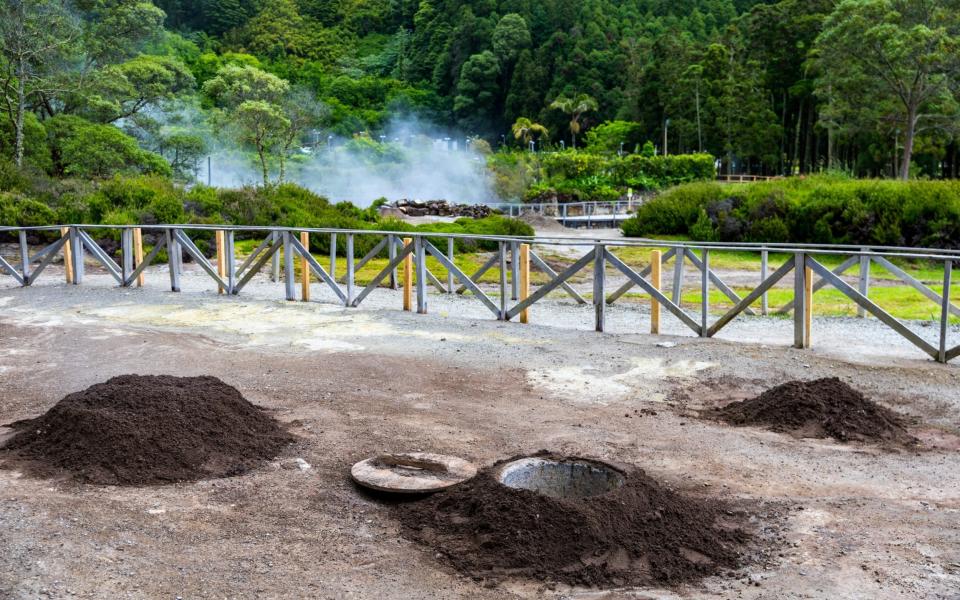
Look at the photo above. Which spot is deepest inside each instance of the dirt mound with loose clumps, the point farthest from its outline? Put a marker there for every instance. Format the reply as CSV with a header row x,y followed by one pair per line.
x,y
820,408
139,430
641,533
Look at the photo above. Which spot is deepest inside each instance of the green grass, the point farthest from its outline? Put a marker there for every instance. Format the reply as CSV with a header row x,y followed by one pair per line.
x,y
900,301
720,260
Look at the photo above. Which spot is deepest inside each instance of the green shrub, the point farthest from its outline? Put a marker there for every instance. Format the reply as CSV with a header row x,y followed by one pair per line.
x,y
80,148
36,152
17,210
827,210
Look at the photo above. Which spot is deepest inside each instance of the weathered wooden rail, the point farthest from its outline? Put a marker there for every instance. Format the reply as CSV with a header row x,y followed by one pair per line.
x,y
511,297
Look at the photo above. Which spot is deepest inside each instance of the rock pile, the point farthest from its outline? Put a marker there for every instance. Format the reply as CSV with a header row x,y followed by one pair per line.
x,y
436,208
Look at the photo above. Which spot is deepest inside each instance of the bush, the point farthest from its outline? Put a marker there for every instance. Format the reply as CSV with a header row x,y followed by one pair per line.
x,y
608,137
17,210
572,176
825,209
83,149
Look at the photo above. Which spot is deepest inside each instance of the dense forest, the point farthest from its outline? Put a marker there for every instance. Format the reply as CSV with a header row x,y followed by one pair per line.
x,y
797,86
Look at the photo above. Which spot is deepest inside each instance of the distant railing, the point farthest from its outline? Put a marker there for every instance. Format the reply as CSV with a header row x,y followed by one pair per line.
x,y
734,178
511,296
570,213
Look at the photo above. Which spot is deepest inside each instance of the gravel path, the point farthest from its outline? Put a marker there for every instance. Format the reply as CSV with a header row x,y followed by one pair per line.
x,y
832,520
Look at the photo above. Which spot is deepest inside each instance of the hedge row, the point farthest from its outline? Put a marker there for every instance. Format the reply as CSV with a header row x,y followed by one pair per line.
x,y
579,176
827,210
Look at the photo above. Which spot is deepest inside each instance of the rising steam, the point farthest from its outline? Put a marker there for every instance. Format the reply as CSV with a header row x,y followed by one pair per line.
x,y
410,160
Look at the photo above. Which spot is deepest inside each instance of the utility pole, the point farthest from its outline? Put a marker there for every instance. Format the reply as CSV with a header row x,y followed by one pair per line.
x,y
666,127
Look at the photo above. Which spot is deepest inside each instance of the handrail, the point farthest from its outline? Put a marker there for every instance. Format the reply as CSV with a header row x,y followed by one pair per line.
x,y
554,240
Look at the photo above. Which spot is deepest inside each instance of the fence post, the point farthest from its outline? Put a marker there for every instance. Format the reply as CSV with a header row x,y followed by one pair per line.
x,y
221,257
275,259
799,303
705,294
391,256
173,247
503,281
289,277
524,280
229,261
24,258
77,249
678,257
514,270
421,266
599,302
864,287
305,268
67,255
126,254
350,269
764,266
450,244
655,260
945,310
808,306
333,256
407,276
138,253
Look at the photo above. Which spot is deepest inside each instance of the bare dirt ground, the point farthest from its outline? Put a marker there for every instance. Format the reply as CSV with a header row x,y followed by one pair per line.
x,y
857,521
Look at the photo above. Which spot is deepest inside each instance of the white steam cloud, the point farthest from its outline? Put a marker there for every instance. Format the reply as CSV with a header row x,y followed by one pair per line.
x,y
411,160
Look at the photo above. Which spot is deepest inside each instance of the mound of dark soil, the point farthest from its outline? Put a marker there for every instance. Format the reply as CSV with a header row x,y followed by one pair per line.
x,y
642,533
135,430
820,408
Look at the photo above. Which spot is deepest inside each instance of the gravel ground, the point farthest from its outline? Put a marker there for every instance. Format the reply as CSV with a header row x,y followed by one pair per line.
x,y
832,520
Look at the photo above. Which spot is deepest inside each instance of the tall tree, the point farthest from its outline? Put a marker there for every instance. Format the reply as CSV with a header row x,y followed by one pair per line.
x,y
574,107
904,54
38,39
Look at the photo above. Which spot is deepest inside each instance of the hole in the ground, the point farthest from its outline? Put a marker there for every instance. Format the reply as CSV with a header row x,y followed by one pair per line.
x,y
561,479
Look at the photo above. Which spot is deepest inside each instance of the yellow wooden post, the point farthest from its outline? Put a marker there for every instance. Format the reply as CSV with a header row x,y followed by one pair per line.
x,y
305,267
524,280
808,305
654,303
138,253
67,255
221,256
407,276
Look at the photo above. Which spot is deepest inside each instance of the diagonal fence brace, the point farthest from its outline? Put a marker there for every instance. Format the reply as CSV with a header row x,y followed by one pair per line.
x,y
723,287
543,290
463,277
200,259
375,282
317,269
752,297
657,294
112,267
819,284
543,266
872,307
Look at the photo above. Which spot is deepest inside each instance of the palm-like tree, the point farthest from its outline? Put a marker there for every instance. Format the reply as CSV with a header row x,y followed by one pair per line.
x,y
575,107
525,129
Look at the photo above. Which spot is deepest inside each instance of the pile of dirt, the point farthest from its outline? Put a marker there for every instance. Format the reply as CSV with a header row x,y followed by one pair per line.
x,y
543,224
820,408
137,430
642,533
